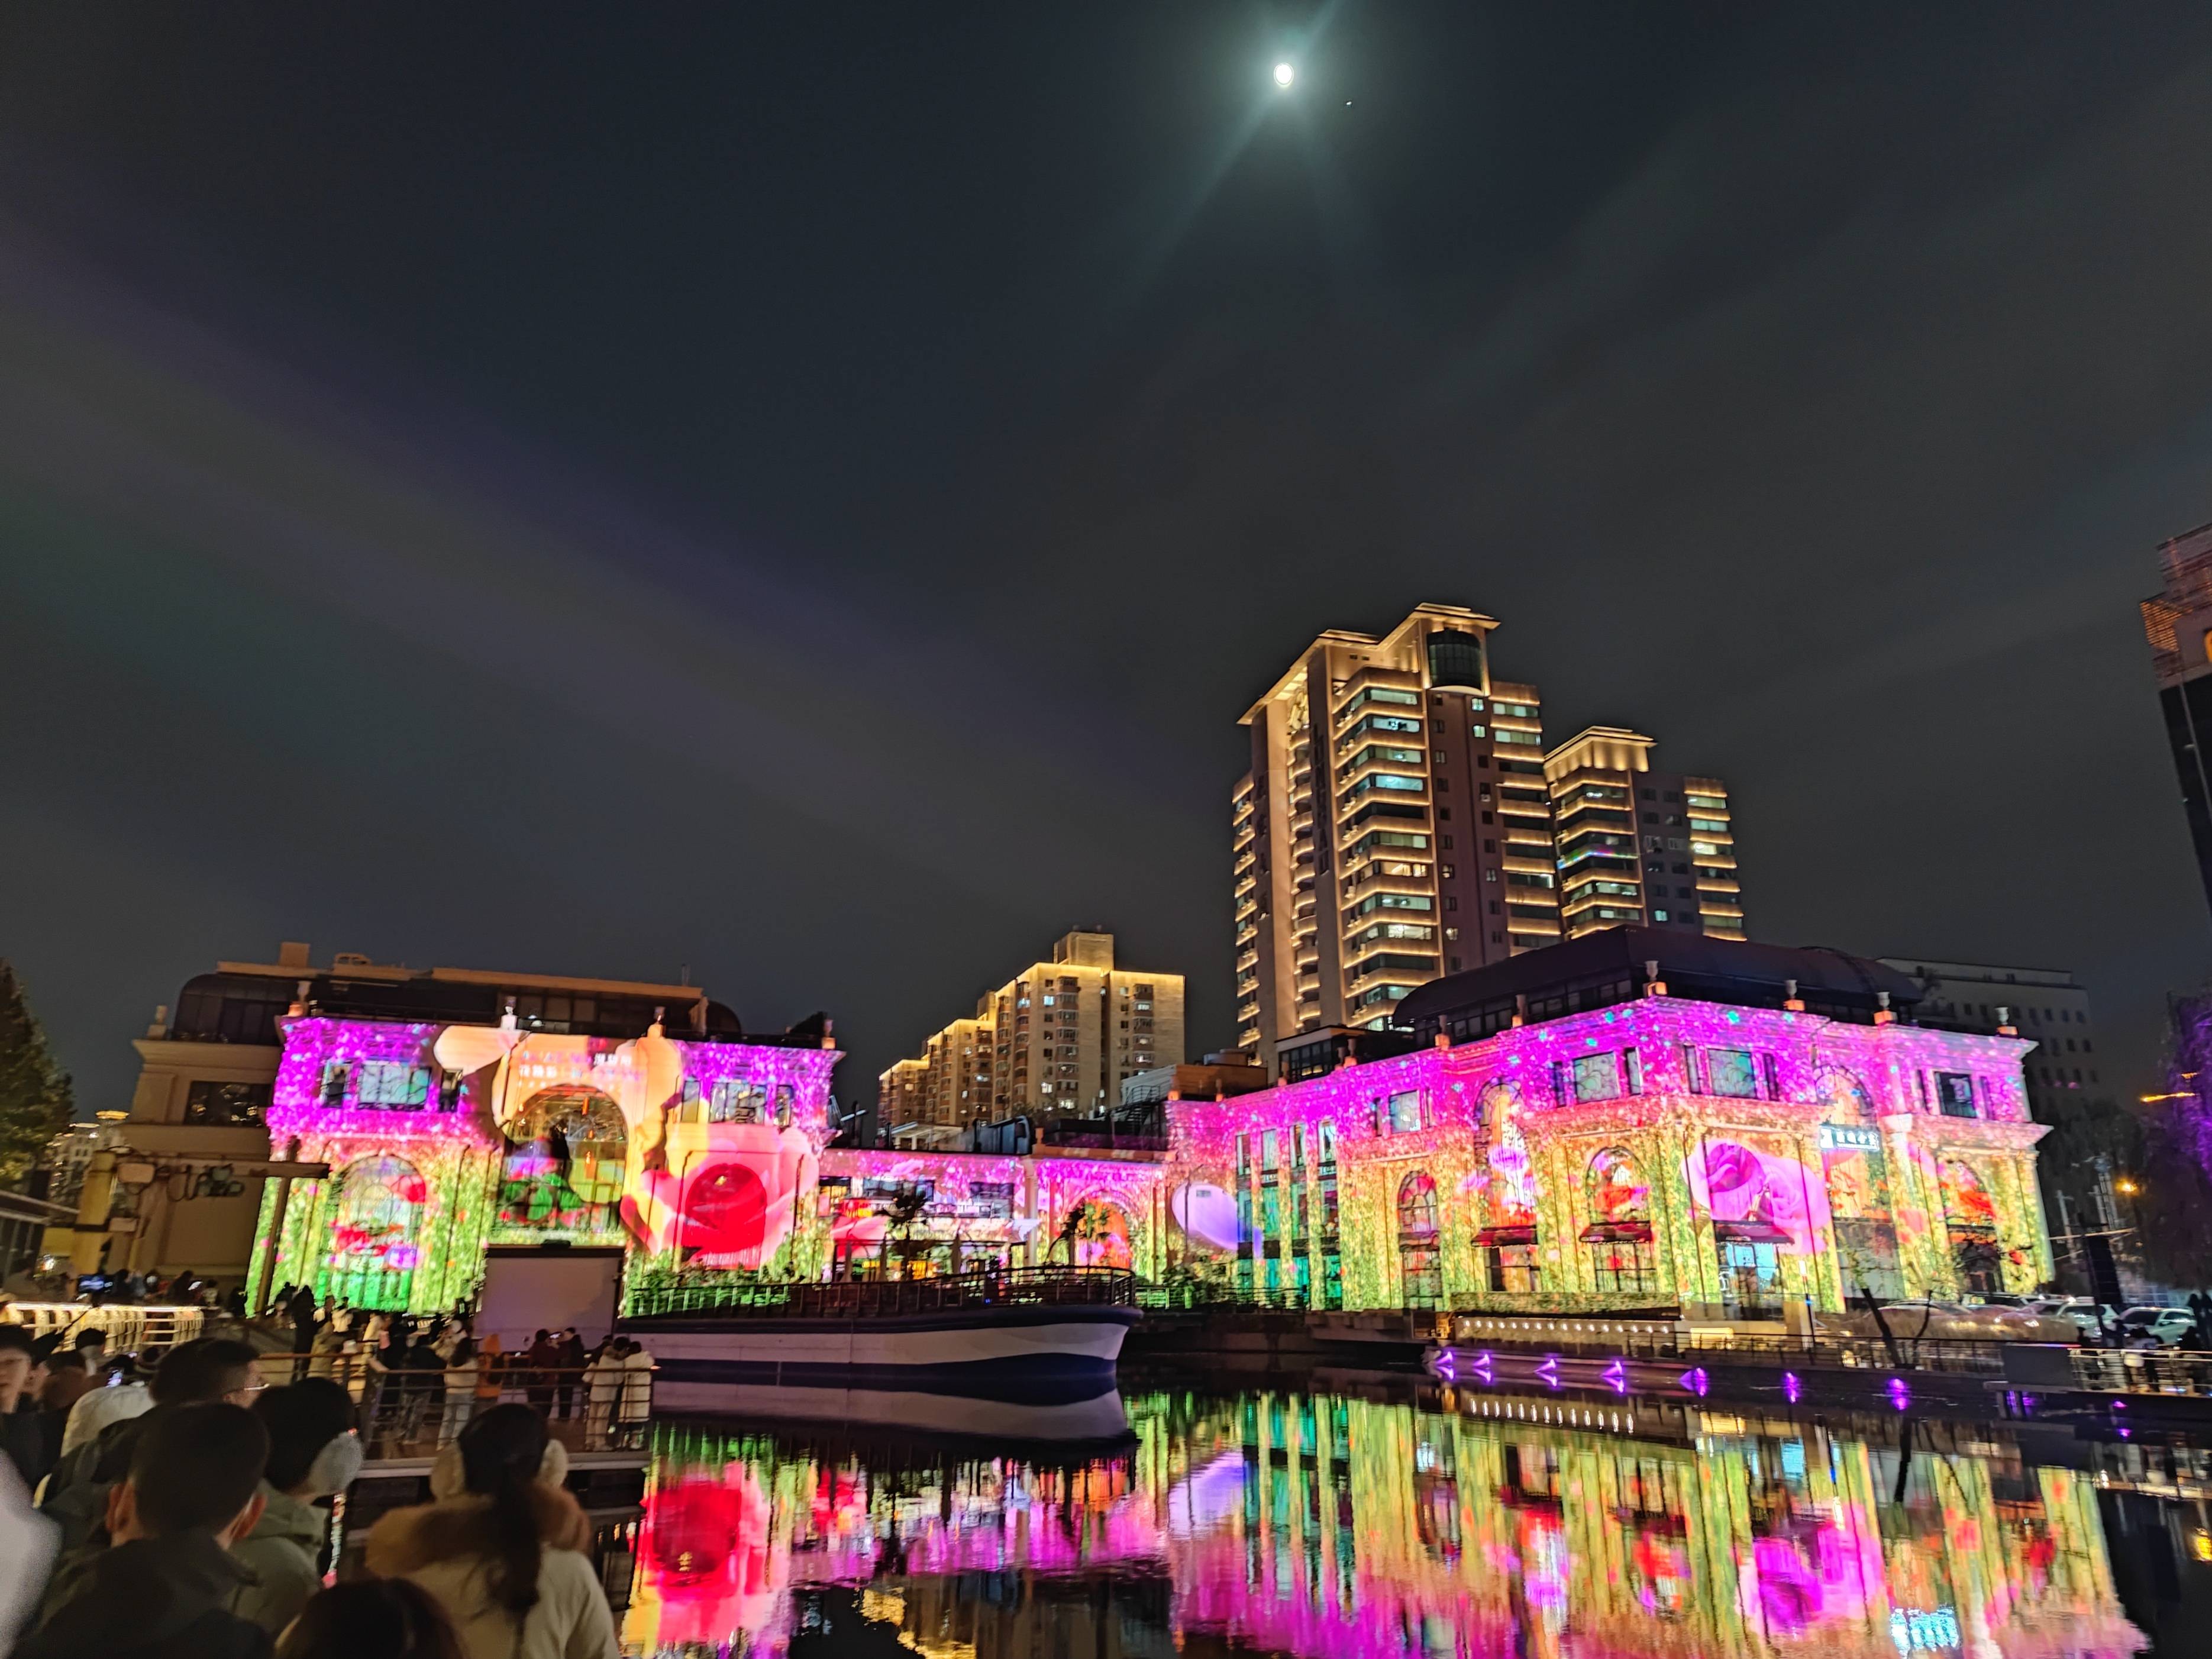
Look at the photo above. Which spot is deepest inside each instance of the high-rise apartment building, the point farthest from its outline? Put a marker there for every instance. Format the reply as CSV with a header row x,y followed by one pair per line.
x,y
1638,847
1395,826
2178,621
1061,1035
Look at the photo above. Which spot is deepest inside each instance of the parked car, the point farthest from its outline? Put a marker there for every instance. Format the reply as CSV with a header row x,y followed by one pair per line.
x,y
2163,1327
2086,1316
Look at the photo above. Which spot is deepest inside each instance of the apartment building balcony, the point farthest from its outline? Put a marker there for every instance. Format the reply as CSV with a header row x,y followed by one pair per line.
x,y
1393,875
1375,676
1398,961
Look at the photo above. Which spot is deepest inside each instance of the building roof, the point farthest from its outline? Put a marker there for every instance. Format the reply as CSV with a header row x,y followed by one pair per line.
x,y
1608,967
242,1002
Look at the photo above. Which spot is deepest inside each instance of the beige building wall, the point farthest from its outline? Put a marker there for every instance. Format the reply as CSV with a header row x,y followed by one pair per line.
x,y
183,1091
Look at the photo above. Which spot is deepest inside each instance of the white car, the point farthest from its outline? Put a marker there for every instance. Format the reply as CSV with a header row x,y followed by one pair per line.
x,y
2164,1327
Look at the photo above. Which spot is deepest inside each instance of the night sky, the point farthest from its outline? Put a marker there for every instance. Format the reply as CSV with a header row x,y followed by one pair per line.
x,y
807,492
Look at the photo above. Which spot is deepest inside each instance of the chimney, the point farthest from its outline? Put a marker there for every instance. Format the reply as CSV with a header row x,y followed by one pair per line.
x,y
1881,1014
292,953
1790,999
159,1027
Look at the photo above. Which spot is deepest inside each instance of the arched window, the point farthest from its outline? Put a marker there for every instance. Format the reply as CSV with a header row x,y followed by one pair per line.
x,y
565,1166
1498,1102
1419,1263
1844,1095
375,1241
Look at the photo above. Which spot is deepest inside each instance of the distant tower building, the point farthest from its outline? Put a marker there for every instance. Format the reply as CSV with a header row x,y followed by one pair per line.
x,y
1639,846
2178,621
1061,1035
1395,826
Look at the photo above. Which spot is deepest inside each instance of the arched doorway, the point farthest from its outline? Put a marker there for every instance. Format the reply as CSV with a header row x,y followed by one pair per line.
x,y
1420,1268
1102,1235
562,1174
1507,1238
1970,1216
375,1233
1619,1236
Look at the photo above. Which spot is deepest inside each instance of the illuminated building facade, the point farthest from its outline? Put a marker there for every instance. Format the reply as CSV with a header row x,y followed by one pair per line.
x,y
445,1137
1062,1034
2178,623
1638,847
1394,826
982,1212
1744,1127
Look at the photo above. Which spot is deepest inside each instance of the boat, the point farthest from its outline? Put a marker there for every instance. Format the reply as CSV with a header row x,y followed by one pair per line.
x,y
1027,1338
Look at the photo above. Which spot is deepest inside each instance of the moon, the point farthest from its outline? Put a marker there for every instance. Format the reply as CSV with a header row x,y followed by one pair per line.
x,y
1284,75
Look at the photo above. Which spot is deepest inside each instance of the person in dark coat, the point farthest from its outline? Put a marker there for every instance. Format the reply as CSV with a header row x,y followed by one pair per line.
x,y
163,1590
573,1357
80,1494
542,1356
301,1312
23,1434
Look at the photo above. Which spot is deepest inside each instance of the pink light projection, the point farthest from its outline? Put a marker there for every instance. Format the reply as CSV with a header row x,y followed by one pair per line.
x,y
1206,1212
732,1197
1732,1182
311,1044
708,1556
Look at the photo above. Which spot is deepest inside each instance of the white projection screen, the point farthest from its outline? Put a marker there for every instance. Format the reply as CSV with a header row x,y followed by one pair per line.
x,y
529,1288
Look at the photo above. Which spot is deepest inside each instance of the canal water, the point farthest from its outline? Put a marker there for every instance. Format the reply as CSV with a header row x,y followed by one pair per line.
x,y
1415,1522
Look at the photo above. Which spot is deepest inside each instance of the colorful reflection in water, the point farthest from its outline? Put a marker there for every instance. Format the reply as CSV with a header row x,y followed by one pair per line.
x,y
1339,1527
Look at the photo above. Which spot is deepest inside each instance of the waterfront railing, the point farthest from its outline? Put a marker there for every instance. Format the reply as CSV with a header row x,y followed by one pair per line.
x,y
878,1298
409,1412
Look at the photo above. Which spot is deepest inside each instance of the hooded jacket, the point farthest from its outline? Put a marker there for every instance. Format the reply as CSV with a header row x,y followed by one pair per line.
x,y
152,1598
279,1558
440,1547
77,1491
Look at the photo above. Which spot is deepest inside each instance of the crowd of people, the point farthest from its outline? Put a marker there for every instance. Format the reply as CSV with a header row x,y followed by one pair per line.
x,y
425,1378
177,1505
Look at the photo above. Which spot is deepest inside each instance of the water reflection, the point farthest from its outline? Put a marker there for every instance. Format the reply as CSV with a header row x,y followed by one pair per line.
x,y
1339,1527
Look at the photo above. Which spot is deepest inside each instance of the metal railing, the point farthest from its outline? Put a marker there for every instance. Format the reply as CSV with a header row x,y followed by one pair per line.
x,y
409,1413
2144,1370
129,1326
1657,1338
873,1298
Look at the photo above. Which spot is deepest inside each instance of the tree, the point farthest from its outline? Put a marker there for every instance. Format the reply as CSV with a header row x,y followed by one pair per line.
x,y
906,1208
36,1101
1071,1228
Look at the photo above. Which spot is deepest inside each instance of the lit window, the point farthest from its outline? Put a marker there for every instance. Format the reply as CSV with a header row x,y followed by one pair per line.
x,y
1731,1071
393,1085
